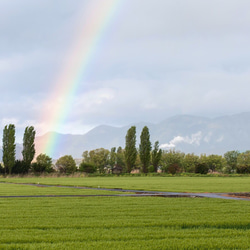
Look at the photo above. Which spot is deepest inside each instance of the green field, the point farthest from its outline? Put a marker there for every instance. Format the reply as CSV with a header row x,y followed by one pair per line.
x,y
123,222
170,184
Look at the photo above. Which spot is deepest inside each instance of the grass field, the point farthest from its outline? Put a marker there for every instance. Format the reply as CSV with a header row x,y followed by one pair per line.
x,y
22,190
124,222
170,184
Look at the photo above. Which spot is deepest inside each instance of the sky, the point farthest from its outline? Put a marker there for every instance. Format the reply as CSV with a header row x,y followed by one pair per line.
x,y
153,59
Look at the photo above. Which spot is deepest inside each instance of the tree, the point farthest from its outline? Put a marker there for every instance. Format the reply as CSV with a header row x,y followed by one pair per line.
x,y
190,162
243,163
43,164
29,145
231,159
112,158
66,164
172,161
97,157
156,156
9,147
1,169
86,157
87,167
120,158
130,148
20,167
202,167
145,149
215,162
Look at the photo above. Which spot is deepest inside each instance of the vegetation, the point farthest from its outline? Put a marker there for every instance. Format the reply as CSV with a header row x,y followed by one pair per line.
x,y
66,164
156,156
154,183
130,149
114,222
9,147
29,145
104,161
145,149
43,164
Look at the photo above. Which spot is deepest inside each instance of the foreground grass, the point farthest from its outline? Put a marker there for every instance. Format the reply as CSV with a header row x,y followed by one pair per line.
x,y
9,189
171,184
124,223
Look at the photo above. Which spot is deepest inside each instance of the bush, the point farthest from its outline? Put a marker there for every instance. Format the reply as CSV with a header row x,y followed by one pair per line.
x,y
243,169
20,167
66,164
1,169
38,168
87,167
151,169
174,169
201,168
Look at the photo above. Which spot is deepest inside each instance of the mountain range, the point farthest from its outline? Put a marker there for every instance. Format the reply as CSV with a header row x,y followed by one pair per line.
x,y
186,133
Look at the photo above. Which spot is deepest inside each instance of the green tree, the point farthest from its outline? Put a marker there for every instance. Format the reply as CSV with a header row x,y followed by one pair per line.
x,y
86,157
120,158
20,167
130,149
9,147
190,162
203,166
100,158
172,161
1,169
43,164
145,149
231,159
112,158
215,162
66,164
156,156
243,163
29,145
87,167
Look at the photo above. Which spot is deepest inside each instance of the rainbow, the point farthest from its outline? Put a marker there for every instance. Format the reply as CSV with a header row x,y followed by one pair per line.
x,y
58,106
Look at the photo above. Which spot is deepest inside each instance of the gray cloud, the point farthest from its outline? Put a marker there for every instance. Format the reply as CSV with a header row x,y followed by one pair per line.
x,y
155,59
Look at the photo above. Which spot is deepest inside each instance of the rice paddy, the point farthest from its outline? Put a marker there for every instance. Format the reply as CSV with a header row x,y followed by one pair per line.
x,y
122,222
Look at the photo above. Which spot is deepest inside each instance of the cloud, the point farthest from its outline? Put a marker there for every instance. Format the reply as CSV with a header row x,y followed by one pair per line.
x,y
194,140
155,59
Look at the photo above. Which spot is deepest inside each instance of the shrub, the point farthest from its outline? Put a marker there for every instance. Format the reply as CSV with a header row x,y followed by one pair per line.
x,y
174,169
151,169
201,168
87,167
1,169
20,167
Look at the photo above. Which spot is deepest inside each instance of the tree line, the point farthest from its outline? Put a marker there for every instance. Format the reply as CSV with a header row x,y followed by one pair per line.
x,y
146,158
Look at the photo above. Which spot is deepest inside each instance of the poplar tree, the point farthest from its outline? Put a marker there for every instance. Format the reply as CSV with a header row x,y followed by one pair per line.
x,y
9,147
130,148
156,156
145,149
29,145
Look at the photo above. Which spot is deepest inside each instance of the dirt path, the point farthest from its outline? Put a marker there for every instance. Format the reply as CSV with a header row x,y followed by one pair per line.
x,y
136,193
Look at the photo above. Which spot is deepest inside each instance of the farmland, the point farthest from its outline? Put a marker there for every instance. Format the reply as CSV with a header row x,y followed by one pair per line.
x,y
124,222
171,184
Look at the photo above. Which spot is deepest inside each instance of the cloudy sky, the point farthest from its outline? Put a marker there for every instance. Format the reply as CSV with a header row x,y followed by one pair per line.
x,y
154,59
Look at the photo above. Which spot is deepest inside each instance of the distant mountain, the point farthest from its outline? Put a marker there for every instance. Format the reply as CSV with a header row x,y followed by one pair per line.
x,y
189,134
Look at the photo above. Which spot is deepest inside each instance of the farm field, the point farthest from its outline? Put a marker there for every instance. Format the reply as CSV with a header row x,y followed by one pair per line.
x,y
22,190
122,222
168,184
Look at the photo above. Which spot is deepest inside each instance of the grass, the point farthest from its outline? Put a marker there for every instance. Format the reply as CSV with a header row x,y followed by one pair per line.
x,y
170,184
23,190
124,223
